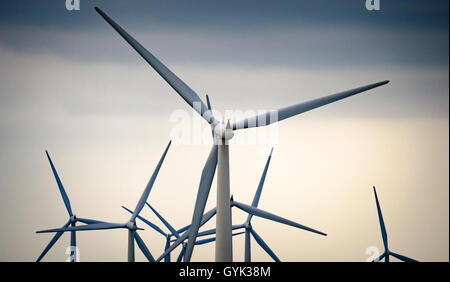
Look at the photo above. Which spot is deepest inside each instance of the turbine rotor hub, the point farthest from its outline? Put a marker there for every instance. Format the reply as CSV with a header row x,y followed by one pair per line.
x,y
131,225
223,131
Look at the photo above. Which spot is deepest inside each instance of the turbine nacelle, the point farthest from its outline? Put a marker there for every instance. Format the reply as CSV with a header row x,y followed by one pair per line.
x,y
131,225
223,132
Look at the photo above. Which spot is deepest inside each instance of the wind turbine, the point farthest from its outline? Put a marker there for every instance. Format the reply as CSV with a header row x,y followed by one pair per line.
x,y
252,211
72,219
130,225
249,230
219,154
173,233
387,252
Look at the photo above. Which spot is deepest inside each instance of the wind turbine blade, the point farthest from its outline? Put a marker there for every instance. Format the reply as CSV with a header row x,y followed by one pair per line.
x,y
263,245
209,240
380,217
174,232
181,230
167,258
154,226
403,258
380,257
88,221
143,247
177,242
52,242
210,109
213,231
176,83
208,213
180,256
206,217
95,226
207,232
202,196
205,241
260,186
290,111
146,192
60,186
270,216
212,239
208,103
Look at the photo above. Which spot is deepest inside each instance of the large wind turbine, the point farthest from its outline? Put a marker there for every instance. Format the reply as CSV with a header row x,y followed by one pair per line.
x,y
219,155
387,252
249,230
130,225
72,219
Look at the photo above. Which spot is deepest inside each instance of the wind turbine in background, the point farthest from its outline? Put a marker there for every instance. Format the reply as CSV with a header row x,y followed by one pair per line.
x,y
173,233
72,220
249,230
219,154
252,211
130,225
387,252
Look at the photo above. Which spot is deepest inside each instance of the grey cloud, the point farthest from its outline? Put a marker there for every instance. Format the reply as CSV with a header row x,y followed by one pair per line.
x,y
292,47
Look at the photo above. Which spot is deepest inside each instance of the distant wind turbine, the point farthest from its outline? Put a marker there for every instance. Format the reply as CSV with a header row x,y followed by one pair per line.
x,y
249,230
130,225
252,211
173,233
387,252
72,219
219,154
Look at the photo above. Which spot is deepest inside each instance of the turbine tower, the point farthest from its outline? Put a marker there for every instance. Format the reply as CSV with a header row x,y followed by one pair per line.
x,y
219,154
249,230
130,225
387,252
72,220
252,211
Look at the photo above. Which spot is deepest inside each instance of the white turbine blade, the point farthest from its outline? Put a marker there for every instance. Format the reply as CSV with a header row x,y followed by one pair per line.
x,y
175,244
143,247
270,216
146,192
176,83
290,111
260,186
202,196
380,217
403,258
88,221
263,245
52,242
94,226
213,231
60,186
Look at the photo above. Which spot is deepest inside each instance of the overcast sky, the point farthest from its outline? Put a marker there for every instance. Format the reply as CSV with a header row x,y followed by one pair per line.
x,y
70,84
